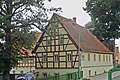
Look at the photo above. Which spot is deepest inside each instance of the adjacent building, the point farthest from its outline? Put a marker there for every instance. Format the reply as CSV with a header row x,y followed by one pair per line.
x,y
27,62
57,50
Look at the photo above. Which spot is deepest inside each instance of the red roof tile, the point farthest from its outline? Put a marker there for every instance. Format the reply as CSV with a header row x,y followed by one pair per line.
x,y
88,42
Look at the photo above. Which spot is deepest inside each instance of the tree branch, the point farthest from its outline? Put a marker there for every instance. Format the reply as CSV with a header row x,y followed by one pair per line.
x,y
2,12
1,27
14,12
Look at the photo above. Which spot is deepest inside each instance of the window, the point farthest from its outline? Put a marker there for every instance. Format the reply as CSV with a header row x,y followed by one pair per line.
x,y
99,57
94,57
44,58
13,72
106,58
103,57
56,76
61,40
44,75
21,72
89,72
32,60
69,56
95,72
88,57
109,58
83,58
48,42
56,58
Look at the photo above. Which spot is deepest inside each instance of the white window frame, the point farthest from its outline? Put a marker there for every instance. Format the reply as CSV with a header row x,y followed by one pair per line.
x,y
106,57
103,57
56,58
44,75
94,57
88,57
99,57
109,58
69,56
83,57
48,42
44,58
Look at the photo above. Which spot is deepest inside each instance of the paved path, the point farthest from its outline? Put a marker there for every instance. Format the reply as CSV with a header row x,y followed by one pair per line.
x,y
99,77
116,76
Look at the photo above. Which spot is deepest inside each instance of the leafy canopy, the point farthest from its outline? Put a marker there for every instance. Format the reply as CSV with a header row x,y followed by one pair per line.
x,y
17,18
105,15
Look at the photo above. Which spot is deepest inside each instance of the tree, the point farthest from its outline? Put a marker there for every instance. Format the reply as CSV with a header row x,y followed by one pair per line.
x,y
106,16
17,18
100,34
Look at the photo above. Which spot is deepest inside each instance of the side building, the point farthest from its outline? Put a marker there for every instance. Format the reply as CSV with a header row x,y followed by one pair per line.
x,y
57,50
26,63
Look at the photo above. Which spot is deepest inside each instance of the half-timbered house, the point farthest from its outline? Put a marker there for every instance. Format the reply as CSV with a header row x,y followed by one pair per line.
x,y
58,48
26,63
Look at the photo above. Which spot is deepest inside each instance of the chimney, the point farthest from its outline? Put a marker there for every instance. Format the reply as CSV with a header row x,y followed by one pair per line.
x,y
74,19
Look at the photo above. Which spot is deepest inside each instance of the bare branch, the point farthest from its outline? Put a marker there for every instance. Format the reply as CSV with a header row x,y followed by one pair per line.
x,y
17,12
2,27
2,14
14,12
2,10
39,27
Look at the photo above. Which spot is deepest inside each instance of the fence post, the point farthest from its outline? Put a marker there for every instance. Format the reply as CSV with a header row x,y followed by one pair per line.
x,y
76,75
110,75
68,76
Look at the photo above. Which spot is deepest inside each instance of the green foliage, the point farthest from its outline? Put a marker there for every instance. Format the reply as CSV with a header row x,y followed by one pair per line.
x,y
106,16
101,35
95,30
17,18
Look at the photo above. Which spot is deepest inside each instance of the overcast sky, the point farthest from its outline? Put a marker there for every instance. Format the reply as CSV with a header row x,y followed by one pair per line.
x,y
71,8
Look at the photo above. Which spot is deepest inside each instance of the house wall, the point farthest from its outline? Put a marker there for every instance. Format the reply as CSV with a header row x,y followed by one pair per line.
x,y
96,64
90,67
54,71
27,64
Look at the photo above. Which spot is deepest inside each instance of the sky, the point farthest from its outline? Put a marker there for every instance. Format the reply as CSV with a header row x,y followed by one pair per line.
x,y
73,8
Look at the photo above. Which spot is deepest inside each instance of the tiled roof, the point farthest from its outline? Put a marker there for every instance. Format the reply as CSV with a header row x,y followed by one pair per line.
x,y
24,51
88,42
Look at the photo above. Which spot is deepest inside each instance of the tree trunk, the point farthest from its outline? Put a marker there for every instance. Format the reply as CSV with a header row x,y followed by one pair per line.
x,y
7,61
8,51
6,75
